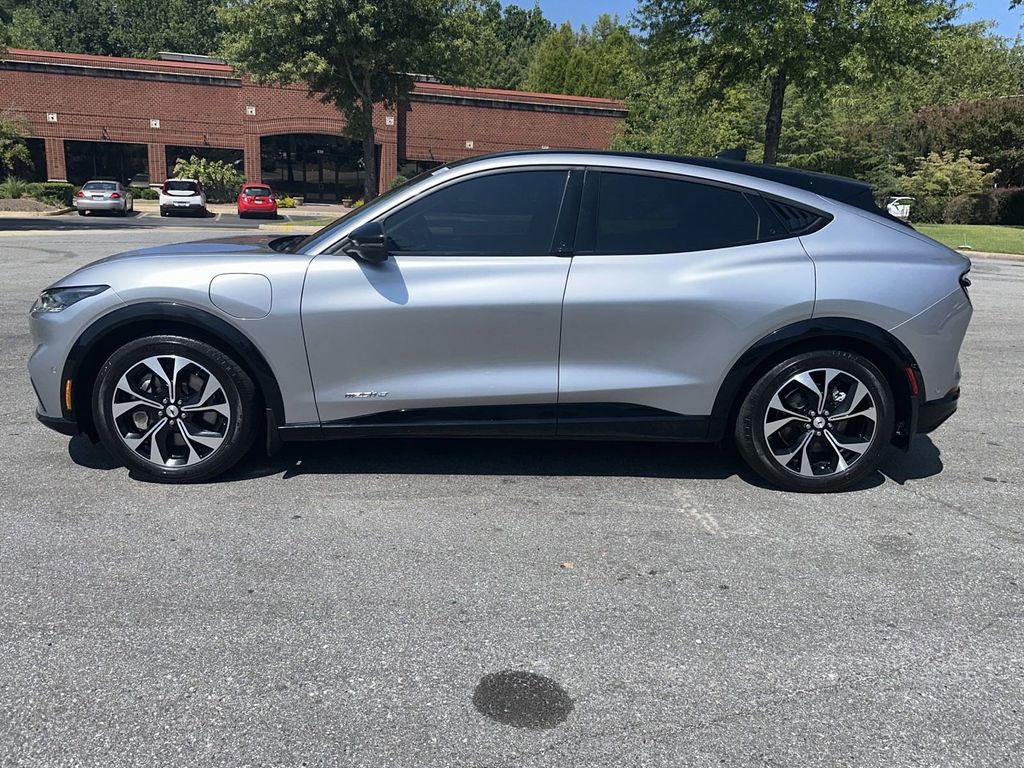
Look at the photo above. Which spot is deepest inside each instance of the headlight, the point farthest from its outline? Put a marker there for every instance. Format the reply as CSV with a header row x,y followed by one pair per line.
x,y
59,299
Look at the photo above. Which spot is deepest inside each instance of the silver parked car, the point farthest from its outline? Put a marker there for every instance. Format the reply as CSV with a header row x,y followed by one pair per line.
x,y
104,196
573,295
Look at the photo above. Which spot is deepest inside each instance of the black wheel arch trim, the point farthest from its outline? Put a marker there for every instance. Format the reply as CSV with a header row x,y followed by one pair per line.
x,y
211,326
804,335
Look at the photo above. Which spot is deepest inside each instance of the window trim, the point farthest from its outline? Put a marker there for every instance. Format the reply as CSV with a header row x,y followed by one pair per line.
x,y
564,231
586,233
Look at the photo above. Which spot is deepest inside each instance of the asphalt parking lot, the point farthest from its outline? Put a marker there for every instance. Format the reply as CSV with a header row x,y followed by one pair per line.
x,y
151,220
357,603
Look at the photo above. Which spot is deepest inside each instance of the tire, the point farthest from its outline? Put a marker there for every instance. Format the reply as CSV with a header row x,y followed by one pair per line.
x,y
780,439
81,213
206,428
164,213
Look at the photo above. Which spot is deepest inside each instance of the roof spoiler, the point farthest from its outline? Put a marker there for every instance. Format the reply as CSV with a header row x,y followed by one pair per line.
x,y
739,154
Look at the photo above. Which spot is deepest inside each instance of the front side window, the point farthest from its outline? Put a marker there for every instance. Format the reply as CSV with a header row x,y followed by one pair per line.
x,y
638,214
512,213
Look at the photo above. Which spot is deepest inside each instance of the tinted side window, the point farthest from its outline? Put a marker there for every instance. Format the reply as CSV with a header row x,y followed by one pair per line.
x,y
507,213
653,214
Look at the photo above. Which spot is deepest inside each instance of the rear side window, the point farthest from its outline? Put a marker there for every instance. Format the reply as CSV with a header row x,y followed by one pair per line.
x,y
512,213
638,214
181,186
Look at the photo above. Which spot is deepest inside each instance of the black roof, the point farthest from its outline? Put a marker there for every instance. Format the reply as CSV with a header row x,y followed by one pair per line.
x,y
849,191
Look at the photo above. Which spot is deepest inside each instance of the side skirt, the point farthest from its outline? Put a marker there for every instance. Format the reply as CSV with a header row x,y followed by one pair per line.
x,y
597,421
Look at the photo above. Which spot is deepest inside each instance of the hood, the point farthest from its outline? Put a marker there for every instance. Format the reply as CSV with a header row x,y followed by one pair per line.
x,y
248,244
248,251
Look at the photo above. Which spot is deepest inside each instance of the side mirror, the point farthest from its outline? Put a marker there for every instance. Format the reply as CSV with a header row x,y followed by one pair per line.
x,y
368,243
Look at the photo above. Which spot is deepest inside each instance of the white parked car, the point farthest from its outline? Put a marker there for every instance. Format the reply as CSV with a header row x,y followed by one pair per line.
x,y
182,196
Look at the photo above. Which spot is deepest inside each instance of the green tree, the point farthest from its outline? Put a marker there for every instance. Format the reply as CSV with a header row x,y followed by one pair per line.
x,y
938,178
503,41
349,53
14,154
810,44
141,28
550,61
221,180
591,62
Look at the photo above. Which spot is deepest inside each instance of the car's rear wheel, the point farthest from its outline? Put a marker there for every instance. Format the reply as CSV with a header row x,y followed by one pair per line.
x,y
175,409
817,422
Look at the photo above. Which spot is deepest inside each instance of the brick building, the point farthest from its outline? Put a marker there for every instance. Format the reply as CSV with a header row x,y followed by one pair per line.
x,y
98,116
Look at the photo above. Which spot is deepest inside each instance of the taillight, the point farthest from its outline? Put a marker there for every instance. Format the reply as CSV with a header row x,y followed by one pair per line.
x,y
965,283
247,199
115,195
80,193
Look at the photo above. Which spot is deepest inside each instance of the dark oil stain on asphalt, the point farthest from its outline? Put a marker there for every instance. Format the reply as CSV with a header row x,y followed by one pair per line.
x,y
522,699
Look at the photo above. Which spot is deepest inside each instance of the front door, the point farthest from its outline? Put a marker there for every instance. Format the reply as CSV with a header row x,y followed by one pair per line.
x,y
460,324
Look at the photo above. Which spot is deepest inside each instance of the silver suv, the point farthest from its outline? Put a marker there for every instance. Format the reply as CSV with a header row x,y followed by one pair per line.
x,y
573,295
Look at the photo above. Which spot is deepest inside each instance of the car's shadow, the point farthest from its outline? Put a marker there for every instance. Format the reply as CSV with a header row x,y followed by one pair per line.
x,y
545,458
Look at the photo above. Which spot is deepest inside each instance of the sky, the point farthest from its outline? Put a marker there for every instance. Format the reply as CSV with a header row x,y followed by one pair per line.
x,y
585,11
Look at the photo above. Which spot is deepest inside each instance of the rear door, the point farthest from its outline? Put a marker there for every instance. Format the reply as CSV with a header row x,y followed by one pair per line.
x,y
673,279
461,323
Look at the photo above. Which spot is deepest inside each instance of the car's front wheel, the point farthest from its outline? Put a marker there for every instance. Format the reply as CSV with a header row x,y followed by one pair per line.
x,y
817,422
175,409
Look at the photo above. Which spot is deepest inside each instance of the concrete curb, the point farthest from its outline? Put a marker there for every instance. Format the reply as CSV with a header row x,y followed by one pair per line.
x,y
34,214
287,227
984,255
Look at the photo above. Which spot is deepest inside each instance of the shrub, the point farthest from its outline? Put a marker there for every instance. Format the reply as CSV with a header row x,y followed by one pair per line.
x,y
1011,206
12,188
975,208
220,180
928,210
398,181
58,193
994,206
147,193
286,202
938,178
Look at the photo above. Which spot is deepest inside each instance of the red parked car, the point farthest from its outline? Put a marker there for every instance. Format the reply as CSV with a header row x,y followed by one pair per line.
x,y
257,199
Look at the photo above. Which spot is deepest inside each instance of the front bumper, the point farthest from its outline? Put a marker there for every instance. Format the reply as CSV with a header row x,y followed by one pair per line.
x,y
934,412
67,427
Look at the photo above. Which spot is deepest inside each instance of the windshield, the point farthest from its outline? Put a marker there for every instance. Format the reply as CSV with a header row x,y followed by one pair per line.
x,y
373,204
101,186
256,191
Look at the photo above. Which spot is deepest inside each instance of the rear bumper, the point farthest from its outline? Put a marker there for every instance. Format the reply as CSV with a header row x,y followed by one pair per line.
x,y
190,208
58,424
934,412
99,205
